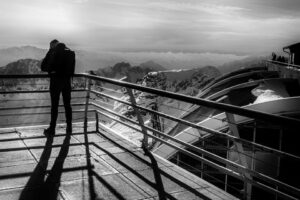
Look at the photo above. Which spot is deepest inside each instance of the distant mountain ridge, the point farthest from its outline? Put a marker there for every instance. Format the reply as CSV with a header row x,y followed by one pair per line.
x,y
22,66
187,82
133,73
183,81
84,60
88,60
13,54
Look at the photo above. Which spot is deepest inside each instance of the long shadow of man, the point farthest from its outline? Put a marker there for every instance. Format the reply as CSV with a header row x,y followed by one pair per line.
x,y
52,183
37,187
33,188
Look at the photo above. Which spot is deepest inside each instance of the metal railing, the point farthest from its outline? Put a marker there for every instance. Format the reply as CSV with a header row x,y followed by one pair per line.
x,y
98,95
284,64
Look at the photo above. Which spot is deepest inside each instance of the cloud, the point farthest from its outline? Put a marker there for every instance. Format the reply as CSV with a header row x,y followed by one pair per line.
x,y
80,1
156,25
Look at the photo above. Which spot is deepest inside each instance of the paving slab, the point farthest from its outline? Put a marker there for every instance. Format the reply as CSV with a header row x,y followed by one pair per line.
x,y
107,187
93,137
32,194
15,176
10,134
33,166
124,162
18,155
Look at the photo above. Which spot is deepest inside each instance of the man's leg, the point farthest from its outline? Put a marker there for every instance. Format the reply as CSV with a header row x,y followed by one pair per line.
x,y
54,93
66,93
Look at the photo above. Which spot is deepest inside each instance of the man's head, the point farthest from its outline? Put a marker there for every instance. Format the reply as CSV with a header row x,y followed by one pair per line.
x,y
53,43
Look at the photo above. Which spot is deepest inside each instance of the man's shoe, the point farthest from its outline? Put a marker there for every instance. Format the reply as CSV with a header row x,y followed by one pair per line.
x,y
49,131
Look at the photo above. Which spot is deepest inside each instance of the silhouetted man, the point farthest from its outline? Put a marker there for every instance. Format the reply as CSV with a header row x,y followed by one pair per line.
x,y
54,63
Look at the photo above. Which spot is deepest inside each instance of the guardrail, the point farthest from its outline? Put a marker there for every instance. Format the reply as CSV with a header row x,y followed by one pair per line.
x,y
284,64
236,177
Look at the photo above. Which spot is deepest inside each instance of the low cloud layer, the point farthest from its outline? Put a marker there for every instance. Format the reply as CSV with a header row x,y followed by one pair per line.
x,y
223,26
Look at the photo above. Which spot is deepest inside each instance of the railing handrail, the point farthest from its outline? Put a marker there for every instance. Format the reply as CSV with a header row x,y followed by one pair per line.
x,y
284,64
208,130
279,120
289,122
203,102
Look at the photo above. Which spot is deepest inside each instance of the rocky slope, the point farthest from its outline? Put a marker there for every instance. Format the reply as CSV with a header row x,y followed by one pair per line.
x,y
124,69
182,81
187,82
22,66
13,54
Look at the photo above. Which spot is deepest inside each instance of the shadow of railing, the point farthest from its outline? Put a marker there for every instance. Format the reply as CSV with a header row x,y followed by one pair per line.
x,y
158,184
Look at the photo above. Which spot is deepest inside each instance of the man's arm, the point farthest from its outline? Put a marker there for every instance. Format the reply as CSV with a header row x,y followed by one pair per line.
x,y
47,63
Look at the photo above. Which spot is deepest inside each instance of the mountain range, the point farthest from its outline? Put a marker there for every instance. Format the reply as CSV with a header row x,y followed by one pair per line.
x,y
84,60
133,73
22,66
149,74
87,60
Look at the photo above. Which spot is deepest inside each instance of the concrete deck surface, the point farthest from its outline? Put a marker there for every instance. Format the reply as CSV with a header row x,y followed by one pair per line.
x,y
90,166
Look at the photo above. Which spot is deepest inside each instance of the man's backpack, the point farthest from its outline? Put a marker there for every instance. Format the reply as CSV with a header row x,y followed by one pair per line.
x,y
68,62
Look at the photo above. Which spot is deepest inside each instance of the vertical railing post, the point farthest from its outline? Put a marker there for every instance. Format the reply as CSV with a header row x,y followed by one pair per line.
x,y
202,155
253,148
88,83
87,98
139,117
240,150
227,157
279,159
97,121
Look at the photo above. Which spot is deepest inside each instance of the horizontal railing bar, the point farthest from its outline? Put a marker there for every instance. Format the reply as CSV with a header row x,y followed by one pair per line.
x,y
283,63
40,113
34,91
214,132
24,91
280,120
209,154
208,162
34,107
27,76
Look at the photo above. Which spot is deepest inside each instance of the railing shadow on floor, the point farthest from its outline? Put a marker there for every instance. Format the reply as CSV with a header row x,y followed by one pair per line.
x,y
158,184
156,172
89,165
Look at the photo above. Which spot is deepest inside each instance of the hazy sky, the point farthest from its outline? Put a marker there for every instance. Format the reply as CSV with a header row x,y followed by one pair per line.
x,y
231,26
